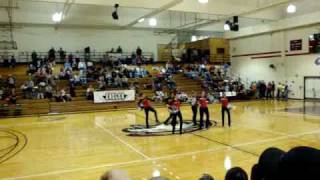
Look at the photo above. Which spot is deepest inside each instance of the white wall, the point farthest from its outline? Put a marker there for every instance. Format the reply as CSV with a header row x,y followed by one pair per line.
x,y
292,69
41,39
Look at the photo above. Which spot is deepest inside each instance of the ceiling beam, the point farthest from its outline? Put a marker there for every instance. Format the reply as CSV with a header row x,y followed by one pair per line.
x,y
4,24
155,12
245,13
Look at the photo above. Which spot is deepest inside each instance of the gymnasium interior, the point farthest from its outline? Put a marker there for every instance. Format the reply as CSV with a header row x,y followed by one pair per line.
x,y
159,90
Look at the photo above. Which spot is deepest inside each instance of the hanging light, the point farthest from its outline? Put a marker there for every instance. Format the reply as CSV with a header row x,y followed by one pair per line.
x,y
57,17
226,26
291,9
141,20
193,38
203,1
153,22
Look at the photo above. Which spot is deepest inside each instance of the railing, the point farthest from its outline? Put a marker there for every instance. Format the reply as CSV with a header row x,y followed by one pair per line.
x,y
25,56
214,58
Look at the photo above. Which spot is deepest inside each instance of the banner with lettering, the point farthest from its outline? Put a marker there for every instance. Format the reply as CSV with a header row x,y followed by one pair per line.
x,y
114,96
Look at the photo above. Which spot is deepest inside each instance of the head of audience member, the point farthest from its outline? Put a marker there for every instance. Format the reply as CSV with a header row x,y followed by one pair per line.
x,y
206,177
115,175
267,166
299,163
236,173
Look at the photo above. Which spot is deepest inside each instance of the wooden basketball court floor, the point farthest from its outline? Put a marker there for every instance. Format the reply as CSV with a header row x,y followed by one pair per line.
x,y
84,146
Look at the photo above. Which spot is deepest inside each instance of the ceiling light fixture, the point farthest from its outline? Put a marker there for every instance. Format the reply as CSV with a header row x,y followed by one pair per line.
x,y
291,9
226,26
203,1
57,17
152,22
141,20
193,38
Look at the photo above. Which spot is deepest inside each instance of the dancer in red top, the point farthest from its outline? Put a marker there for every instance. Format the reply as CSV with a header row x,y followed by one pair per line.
x,y
146,104
175,112
224,107
203,103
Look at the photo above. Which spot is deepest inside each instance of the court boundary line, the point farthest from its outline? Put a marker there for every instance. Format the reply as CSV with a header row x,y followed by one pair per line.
x,y
122,141
123,164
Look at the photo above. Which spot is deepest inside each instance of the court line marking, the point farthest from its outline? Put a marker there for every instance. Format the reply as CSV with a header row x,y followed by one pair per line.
x,y
123,164
123,141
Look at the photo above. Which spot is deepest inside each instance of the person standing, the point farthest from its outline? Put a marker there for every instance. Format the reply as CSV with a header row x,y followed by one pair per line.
x,y
203,102
273,88
225,108
145,101
194,108
174,107
269,90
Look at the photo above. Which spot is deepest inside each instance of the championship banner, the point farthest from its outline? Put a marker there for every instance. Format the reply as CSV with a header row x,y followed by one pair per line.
x,y
114,96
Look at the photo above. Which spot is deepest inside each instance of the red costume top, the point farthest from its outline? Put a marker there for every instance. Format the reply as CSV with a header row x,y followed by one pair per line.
x,y
146,103
224,102
203,102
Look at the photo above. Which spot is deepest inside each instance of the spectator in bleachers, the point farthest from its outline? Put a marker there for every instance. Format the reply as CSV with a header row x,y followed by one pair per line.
x,y
48,91
11,96
72,89
11,81
13,61
119,49
139,56
52,54
124,80
61,74
64,96
41,90
62,55
89,92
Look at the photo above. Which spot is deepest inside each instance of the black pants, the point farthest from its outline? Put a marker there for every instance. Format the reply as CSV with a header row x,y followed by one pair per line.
x,y
168,119
269,95
228,112
194,116
174,121
202,112
146,110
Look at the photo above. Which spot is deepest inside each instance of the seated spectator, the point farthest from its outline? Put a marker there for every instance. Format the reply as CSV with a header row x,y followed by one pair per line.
x,y
31,69
11,96
64,96
182,96
62,74
72,89
101,83
41,90
124,80
119,49
67,65
13,61
11,81
48,92
24,89
90,92
159,95
30,89
236,173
